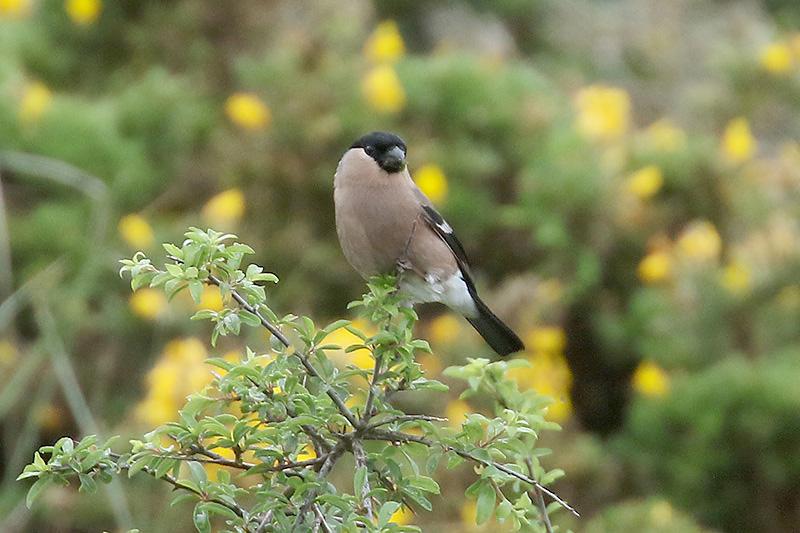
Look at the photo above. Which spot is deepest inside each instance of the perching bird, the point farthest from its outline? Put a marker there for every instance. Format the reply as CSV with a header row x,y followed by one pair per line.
x,y
386,224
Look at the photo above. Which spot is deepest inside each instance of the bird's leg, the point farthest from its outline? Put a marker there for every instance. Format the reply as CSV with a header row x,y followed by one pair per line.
x,y
403,266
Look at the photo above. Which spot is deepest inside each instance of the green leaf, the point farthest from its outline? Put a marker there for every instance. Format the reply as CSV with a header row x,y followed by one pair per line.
x,y
504,510
359,479
217,508
87,483
174,270
486,500
37,489
249,318
173,250
196,290
424,483
198,472
386,512
201,520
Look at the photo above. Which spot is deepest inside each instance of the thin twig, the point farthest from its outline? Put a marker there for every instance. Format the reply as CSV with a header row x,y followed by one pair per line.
x,y
396,436
321,518
536,495
361,460
370,403
346,412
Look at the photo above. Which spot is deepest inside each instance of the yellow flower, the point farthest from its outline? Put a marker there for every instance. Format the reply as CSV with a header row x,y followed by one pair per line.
x,y
35,101
547,340
15,9
403,516
431,179
655,267
645,182
83,12
385,45
180,371
603,112
383,90
136,231
307,453
776,58
738,144
213,469
456,412
247,111
664,136
737,278
225,209
361,357
147,303
661,513
445,329
211,299
430,364
650,379
700,241
548,372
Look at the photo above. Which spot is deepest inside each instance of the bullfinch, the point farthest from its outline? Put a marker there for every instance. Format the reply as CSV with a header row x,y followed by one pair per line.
x,y
386,224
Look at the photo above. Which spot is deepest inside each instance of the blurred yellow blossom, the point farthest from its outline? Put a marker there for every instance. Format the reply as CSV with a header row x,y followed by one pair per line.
x,y
700,240
180,371
655,267
403,516
445,329
645,182
737,278
136,231
211,299
36,99
738,144
15,9
664,136
650,379
547,339
603,112
383,90
431,179
307,453
83,12
147,303
247,111
211,468
547,374
225,209
776,58
456,412
385,45
661,513
430,363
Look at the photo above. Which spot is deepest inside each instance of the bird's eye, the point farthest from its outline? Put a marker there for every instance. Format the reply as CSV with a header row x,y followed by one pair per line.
x,y
370,150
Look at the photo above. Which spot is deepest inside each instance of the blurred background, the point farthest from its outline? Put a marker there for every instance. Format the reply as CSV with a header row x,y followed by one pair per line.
x,y
624,175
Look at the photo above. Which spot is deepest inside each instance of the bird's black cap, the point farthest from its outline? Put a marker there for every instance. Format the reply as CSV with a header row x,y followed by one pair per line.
x,y
387,149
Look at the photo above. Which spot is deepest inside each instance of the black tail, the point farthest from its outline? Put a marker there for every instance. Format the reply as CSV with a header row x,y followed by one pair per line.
x,y
494,331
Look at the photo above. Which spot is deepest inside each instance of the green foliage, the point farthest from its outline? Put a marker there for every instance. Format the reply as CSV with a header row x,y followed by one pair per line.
x,y
723,445
282,420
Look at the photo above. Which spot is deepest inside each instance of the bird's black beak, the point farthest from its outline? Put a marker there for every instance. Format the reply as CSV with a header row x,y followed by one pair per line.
x,y
394,160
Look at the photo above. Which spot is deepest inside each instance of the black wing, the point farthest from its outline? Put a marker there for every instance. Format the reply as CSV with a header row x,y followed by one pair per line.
x,y
440,226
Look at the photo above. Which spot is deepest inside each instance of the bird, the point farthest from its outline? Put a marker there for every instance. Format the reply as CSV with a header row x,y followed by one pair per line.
x,y
386,224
